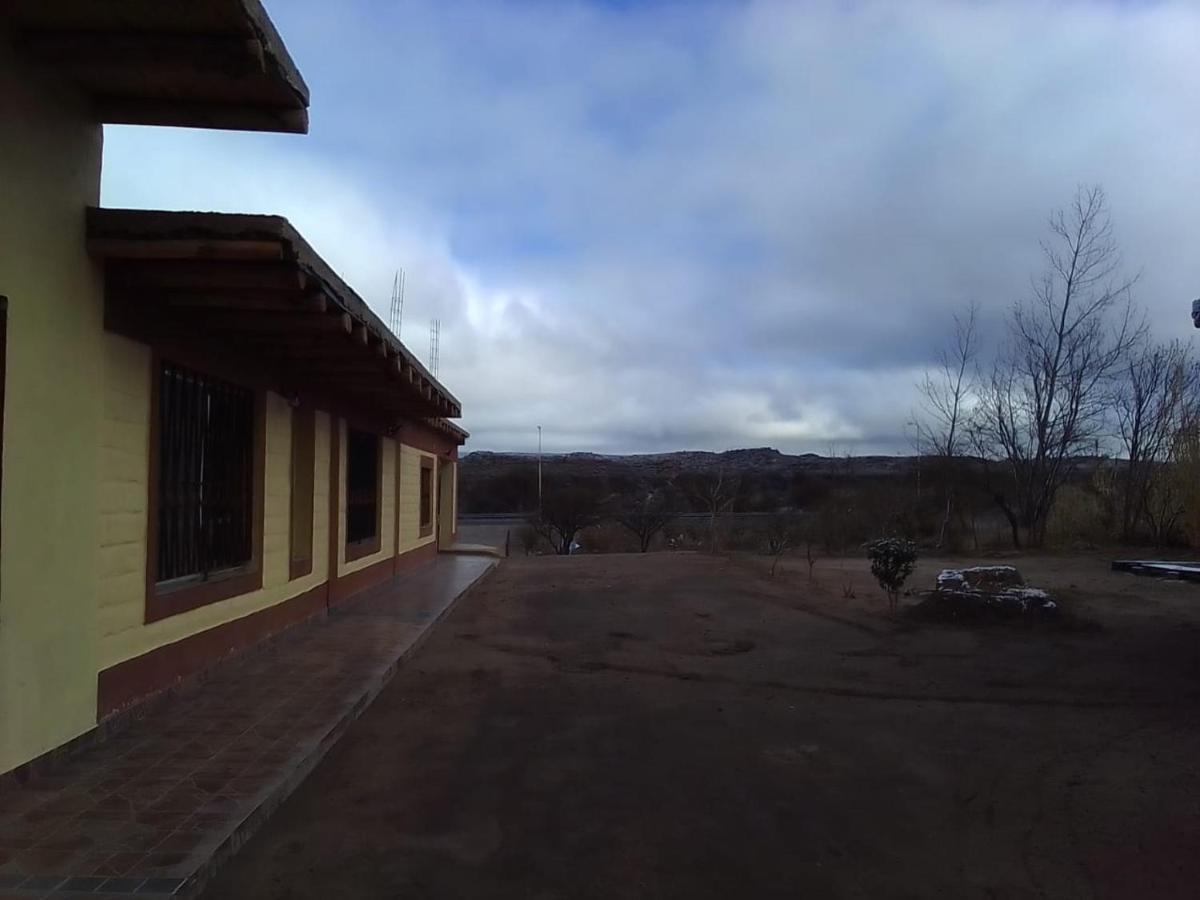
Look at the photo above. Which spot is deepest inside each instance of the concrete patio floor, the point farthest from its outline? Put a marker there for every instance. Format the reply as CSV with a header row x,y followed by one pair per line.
x,y
153,810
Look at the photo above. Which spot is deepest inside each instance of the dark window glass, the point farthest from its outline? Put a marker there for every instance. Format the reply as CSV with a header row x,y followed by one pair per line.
x,y
362,486
426,496
303,470
206,474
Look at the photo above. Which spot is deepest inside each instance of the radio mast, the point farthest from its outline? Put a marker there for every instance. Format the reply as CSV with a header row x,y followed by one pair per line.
x,y
396,313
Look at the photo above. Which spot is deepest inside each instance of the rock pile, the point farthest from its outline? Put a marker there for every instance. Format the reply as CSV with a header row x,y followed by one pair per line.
x,y
989,589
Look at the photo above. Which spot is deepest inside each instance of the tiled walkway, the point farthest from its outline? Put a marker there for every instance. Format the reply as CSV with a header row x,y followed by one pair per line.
x,y
150,811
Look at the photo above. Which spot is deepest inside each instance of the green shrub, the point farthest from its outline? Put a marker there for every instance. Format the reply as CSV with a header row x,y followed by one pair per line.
x,y
892,561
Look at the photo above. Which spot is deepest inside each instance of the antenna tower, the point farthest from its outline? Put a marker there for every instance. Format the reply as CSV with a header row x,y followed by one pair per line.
x,y
435,344
396,313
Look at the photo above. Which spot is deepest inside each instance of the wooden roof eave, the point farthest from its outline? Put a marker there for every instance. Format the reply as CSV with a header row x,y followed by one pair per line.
x,y
191,276
204,64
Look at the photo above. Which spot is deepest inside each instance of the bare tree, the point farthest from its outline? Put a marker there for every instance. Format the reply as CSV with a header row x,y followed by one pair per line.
x,y
715,493
1167,497
782,533
566,511
947,393
1047,398
1155,395
1184,475
648,516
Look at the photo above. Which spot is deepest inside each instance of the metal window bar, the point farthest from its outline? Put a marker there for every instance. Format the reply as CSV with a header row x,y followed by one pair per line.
x,y
206,474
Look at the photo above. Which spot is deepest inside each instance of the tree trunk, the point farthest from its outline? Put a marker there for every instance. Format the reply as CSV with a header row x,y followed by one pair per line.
x,y
945,520
1016,529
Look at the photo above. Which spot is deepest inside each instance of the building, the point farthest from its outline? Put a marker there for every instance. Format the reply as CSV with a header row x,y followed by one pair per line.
x,y
207,435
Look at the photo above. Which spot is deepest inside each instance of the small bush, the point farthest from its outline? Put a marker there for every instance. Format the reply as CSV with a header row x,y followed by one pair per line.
x,y
1077,518
892,561
528,538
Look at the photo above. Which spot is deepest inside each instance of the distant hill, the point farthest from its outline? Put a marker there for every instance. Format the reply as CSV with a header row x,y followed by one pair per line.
x,y
749,460
491,482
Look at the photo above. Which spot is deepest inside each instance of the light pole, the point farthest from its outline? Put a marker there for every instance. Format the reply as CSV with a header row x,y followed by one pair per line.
x,y
539,428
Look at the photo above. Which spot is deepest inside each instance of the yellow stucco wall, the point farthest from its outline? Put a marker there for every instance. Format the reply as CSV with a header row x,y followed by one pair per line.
x,y
387,534
410,499
50,156
73,505
125,464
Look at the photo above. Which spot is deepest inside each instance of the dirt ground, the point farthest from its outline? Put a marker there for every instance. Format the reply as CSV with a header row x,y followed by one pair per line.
x,y
674,725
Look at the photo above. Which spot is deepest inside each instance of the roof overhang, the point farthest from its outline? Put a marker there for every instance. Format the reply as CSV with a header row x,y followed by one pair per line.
x,y
200,63
251,287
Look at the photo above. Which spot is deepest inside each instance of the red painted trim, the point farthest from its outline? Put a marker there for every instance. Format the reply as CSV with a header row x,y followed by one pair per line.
x,y
414,559
140,678
423,438
355,582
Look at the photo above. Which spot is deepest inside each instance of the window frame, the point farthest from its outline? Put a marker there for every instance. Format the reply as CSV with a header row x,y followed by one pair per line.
x,y
166,599
371,545
426,501
302,484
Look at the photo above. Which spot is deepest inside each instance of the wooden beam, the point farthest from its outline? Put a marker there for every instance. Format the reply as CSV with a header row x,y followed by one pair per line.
x,y
272,326
213,276
185,248
276,324
230,116
360,333
264,302
350,368
91,53
315,300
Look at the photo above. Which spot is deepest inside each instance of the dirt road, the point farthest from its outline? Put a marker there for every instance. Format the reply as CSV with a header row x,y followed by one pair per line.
x,y
679,726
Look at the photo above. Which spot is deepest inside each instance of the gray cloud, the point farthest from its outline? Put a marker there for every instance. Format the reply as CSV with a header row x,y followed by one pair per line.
x,y
665,225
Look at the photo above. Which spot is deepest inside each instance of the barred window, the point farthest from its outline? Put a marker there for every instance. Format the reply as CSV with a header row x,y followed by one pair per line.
x,y
205,476
362,486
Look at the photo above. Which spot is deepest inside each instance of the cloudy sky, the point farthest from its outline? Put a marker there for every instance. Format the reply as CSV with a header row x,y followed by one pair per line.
x,y
705,225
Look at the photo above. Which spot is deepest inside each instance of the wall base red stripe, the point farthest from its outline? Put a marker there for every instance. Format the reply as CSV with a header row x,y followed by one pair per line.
x,y
164,668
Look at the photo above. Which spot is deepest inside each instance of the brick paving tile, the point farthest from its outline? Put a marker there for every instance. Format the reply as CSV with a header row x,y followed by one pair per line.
x,y
141,813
